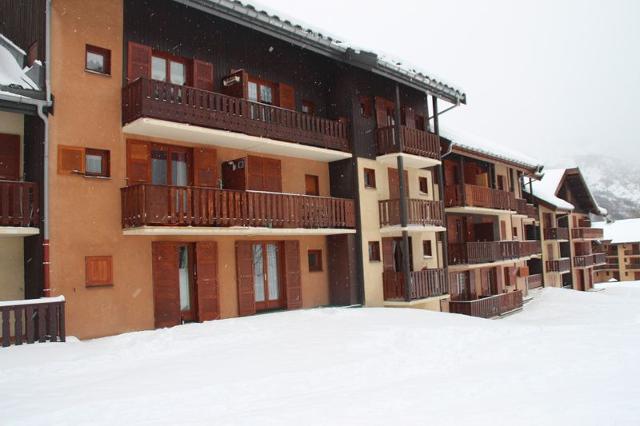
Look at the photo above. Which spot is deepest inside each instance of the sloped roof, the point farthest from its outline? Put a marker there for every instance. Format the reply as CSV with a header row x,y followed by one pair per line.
x,y
485,147
621,231
279,25
11,72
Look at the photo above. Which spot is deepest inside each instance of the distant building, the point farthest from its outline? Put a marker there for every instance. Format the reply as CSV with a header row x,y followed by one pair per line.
x,y
621,242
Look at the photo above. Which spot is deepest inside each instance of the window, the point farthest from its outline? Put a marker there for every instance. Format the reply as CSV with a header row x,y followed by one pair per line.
x,y
515,231
96,162
168,68
83,161
315,260
374,251
365,106
260,91
97,60
311,185
426,248
424,185
369,178
308,107
98,271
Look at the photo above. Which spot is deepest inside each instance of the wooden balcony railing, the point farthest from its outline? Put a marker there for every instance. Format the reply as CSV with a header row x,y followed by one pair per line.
x,y
583,261
534,281
419,212
556,233
182,104
599,259
479,196
632,265
587,233
559,265
412,141
29,321
488,307
424,283
158,205
491,251
532,211
19,204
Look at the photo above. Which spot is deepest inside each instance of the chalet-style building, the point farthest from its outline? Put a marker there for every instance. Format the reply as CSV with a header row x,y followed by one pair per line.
x,y
569,244
493,250
233,168
621,245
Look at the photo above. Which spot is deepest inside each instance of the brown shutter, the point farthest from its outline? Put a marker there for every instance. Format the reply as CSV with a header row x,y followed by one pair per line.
x,y
138,61
503,230
138,161
166,292
205,167
70,159
381,111
244,275
272,175
9,156
255,173
394,183
286,96
98,271
292,274
409,118
207,280
202,75
388,261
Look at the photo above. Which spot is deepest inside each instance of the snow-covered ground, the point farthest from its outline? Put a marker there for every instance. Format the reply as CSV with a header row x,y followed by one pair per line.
x,y
570,358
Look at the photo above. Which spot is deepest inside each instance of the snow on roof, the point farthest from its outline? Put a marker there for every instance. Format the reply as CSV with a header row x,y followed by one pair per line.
x,y
546,188
620,231
296,27
11,72
486,147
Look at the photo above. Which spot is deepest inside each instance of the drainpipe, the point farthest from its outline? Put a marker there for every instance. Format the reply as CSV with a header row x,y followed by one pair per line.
x,y
406,265
46,285
445,239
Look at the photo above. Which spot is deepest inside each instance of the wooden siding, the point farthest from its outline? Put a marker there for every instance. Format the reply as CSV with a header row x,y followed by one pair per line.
x,y
479,196
419,212
491,251
424,283
19,204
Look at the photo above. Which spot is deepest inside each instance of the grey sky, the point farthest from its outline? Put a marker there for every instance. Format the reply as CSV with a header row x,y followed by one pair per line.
x,y
562,76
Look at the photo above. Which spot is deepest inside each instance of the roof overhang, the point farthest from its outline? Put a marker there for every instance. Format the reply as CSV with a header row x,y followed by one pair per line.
x,y
239,13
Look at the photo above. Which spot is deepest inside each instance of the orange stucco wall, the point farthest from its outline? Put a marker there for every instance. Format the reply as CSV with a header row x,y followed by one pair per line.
x,y
85,212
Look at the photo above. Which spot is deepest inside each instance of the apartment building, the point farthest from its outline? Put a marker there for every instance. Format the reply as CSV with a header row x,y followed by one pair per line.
x,y
570,246
209,161
621,245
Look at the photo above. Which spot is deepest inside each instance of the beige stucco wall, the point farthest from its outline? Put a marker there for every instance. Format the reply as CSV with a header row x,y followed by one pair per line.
x,y
11,268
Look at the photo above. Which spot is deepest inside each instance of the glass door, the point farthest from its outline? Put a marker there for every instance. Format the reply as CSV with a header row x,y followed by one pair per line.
x,y
266,276
185,283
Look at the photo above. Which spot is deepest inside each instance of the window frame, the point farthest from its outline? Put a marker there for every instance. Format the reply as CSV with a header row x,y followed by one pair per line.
x,y
311,107
427,249
316,180
315,266
168,58
259,83
106,58
105,162
371,175
373,247
425,180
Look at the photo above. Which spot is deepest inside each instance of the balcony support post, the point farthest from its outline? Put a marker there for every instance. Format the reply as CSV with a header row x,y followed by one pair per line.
x,y
463,196
440,171
396,128
406,268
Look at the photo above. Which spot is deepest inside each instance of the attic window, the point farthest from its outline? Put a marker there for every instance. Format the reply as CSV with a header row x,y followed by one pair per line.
x,y
97,60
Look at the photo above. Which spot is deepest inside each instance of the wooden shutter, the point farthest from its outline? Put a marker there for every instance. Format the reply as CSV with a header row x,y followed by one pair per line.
x,y
523,271
503,230
138,61
255,173
166,292
98,271
381,111
408,117
244,275
272,175
70,159
207,280
138,161
394,183
9,157
205,167
293,275
202,75
286,96
388,260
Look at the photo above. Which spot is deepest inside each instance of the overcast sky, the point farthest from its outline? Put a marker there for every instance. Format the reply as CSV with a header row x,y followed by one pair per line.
x,y
560,76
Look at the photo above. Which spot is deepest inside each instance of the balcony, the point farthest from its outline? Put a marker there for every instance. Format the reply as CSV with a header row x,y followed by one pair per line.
x,y
19,211
205,211
420,213
533,281
599,259
524,209
491,251
488,307
159,109
424,283
586,233
584,261
560,265
30,321
423,145
634,266
560,234
487,200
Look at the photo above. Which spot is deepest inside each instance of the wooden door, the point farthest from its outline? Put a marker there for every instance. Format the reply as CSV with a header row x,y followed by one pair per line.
x,y
186,283
9,157
267,275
